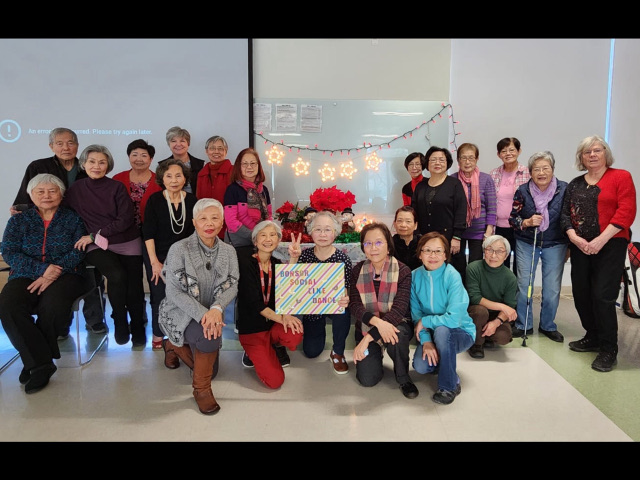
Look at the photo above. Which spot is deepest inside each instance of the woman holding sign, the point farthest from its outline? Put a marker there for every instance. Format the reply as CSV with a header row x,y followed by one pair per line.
x,y
324,228
264,334
379,303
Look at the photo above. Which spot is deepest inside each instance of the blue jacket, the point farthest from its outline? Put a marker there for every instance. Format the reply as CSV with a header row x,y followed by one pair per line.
x,y
438,298
25,237
524,207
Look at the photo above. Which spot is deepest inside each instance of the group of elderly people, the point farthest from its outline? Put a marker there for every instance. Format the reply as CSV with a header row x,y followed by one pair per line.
x,y
94,221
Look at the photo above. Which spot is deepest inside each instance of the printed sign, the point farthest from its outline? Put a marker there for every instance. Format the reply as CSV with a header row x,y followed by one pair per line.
x,y
309,288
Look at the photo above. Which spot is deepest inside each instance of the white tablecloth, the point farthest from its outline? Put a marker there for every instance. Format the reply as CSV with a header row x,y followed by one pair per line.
x,y
353,250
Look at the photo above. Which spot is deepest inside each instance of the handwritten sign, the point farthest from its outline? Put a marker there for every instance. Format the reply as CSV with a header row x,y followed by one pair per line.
x,y
309,288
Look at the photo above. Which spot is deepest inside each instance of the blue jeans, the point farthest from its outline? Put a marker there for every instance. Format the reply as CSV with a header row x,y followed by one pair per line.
x,y
315,333
552,269
449,342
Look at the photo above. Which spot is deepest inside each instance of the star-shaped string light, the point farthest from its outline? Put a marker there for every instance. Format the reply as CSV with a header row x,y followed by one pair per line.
x,y
300,167
372,161
327,172
274,155
347,169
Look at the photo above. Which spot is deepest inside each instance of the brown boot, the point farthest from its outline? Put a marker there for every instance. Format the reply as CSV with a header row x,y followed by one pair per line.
x,y
185,354
171,360
203,366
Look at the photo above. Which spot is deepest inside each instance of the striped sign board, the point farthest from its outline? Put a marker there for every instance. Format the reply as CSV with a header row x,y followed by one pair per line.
x,y
309,288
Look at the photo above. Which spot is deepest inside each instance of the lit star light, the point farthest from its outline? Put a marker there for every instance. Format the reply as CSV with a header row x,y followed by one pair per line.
x,y
274,155
372,161
300,167
327,172
347,169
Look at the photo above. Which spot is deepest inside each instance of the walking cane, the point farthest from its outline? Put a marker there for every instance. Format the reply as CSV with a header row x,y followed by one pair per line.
x,y
530,289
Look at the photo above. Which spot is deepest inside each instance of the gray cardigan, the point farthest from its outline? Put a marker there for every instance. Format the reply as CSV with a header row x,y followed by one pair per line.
x,y
186,276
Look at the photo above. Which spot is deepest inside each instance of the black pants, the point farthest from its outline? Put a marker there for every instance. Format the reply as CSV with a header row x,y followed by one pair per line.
x,y
459,260
124,287
37,341
370,370
595,283
156,293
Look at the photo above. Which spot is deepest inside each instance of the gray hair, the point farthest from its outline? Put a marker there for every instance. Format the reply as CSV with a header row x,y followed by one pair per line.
x,y
205,203
180,132
490,240
45,178
96,149
60,131
261,226
337,226
586,144
546,155
214,139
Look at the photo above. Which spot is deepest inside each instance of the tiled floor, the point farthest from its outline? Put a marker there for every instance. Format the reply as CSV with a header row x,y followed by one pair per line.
x,y
538,392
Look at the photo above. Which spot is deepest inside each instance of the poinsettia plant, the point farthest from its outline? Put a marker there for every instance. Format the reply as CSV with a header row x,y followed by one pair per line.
x,y
332,199
289,212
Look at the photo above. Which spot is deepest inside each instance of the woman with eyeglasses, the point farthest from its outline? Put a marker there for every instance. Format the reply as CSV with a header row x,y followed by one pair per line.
x,y
492,289
324,228
598,211
246,199
439,201
379,302
442,326
537,207
201,272
414,163
507,178
480,192
215,176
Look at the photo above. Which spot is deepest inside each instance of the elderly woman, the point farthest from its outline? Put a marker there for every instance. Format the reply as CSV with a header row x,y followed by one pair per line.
x,y
168,219
264,334
414,163
179,141
201,273
114,244
379,302
537,207
492,289
598,211
324,229
45,278
439,306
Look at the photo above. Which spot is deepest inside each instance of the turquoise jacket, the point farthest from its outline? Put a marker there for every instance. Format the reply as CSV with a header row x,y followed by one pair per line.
x,y
438,298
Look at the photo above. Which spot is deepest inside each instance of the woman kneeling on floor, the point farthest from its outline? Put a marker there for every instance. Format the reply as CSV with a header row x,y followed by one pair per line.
x,y
201,275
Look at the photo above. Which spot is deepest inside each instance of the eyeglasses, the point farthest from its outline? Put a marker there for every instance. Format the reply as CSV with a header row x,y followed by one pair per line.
x,y
490,251
415,165
597,151
249,165
467,159
437,252
378,244
70,143
541,169
326,231
508,150
438,160
217,149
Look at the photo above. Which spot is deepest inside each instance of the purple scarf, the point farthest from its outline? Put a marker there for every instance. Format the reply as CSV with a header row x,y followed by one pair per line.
x,y
542,198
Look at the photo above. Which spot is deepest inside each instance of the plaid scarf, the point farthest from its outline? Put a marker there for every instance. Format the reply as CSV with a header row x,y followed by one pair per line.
x,y
255,198
381,302
473,204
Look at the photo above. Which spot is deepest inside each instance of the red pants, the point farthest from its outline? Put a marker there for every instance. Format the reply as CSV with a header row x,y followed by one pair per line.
x,y
259,347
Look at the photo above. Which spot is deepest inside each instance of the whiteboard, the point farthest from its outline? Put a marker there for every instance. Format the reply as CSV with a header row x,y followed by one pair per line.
x,y
350,131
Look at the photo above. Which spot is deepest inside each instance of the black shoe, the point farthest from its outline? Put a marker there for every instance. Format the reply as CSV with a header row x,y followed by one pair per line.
x,y
585,345
283,356
25,376
489,344
517,333
409,390
246,361
63,335
122,335
140,341
554,335
99,327
40,377
445,397
604,362
476,351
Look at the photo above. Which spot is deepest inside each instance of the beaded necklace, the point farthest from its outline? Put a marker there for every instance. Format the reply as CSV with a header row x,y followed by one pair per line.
x,y
180,221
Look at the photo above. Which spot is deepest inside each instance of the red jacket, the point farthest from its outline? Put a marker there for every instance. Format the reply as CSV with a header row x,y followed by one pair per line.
x,y
153,187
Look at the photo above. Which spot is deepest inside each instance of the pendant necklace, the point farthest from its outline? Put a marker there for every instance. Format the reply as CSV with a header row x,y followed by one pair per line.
x,y
267,295
208,255
180,221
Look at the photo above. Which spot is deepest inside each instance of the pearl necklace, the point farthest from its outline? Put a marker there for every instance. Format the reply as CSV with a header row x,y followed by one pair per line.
x,y
180,221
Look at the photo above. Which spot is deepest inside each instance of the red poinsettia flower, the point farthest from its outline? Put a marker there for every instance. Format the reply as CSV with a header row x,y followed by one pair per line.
x,y
332,199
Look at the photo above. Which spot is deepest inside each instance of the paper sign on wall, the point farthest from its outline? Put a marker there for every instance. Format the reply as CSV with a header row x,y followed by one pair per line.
x,y
309,288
